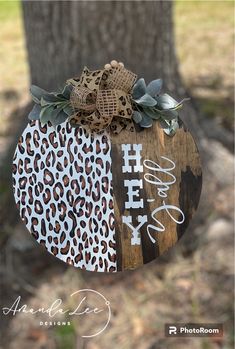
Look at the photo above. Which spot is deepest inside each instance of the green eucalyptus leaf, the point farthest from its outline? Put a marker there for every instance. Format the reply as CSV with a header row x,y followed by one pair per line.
x,y
60,96
59,118
52,98
180,104
37,93
171,130
146,100
67,91
59,104
137,117
152,113
46,114
164,124
146,121
154,87
166,102
44,103
35,112
139,89
49,113
167,131
175,125
169,114
68,109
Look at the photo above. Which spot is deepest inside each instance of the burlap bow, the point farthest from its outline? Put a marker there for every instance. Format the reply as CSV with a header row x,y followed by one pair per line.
x,y
102,99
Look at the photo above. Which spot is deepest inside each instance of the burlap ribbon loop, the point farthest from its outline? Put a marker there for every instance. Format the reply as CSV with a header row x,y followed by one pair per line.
x,y
107,103
101,99
83,98
121,79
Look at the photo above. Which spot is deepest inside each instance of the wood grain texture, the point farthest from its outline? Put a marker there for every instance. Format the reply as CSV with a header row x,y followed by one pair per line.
x,y
184,193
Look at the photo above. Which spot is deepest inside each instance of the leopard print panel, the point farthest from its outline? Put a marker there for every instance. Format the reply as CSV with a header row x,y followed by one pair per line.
x,y
62,184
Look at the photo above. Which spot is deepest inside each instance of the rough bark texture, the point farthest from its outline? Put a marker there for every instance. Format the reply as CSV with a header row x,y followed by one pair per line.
x,y
62,37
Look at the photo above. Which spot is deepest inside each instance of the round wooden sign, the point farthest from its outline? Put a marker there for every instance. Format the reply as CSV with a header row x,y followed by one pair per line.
x,y
106,203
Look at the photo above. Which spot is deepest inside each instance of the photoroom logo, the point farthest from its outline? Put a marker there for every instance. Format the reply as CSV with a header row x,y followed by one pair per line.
x,y
193,330
172,330
90,306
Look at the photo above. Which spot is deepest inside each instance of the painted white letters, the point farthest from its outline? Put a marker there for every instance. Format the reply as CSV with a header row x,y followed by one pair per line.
x,y
131,193
136,157
153,177
135,238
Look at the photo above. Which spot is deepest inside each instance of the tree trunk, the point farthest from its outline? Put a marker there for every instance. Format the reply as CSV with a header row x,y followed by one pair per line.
x,y
62,37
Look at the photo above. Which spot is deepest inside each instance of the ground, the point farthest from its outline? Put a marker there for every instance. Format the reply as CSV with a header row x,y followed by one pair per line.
x,y
193,282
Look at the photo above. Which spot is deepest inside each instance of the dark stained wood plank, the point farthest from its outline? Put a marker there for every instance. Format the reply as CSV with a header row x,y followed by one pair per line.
x,y
183,194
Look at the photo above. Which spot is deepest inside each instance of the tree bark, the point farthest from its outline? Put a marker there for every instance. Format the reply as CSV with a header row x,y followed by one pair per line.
x,y
62,37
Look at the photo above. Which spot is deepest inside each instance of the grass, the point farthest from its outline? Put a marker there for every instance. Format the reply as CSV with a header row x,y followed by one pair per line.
x,y
205,47
9,10
205,38
65,336
13,65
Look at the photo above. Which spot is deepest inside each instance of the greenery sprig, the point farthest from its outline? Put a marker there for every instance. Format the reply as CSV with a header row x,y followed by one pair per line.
x,y
148,103
54,107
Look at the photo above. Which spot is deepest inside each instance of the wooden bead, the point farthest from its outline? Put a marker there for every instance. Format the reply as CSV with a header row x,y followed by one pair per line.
x,y
114,64
121,64
107,66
